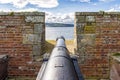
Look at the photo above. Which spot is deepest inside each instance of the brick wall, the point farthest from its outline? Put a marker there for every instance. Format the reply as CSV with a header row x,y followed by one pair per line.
x,y
22,37
97,36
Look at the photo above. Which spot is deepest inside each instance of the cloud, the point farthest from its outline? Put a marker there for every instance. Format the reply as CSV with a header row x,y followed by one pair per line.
x,y
82,0
114,8
27,10
103,0
38,3
73,0
106,0
15,3
5,10
20,10
59,18
111,10
44,3
94,4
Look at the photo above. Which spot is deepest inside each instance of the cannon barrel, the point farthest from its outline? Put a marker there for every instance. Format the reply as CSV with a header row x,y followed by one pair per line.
x,y
60,66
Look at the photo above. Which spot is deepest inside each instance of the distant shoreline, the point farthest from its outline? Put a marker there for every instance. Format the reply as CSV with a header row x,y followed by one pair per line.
x,y
58,25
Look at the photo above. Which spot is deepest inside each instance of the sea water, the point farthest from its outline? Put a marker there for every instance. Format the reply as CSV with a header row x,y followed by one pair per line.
x,y
53,32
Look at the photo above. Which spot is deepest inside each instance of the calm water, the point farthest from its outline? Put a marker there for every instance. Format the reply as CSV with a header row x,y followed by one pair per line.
x,y
53,32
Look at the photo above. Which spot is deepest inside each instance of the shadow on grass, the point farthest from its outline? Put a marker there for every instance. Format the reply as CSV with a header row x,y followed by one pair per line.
x,y
49,46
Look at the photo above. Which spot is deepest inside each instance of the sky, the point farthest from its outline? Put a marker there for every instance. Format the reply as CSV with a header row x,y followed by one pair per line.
x,y
60,11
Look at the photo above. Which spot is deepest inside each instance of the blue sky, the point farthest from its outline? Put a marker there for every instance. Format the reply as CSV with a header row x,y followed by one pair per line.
x,y
60,10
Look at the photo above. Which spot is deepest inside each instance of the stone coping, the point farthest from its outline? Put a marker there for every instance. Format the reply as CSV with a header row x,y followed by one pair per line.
x,y
96,13
22,13
3,56
116,58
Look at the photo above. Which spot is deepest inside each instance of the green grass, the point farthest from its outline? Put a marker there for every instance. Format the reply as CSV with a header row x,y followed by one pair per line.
x,y
116,54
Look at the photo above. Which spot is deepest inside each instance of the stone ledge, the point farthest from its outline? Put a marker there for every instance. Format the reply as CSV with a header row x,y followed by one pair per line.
x,y
22,13
97,13
116,58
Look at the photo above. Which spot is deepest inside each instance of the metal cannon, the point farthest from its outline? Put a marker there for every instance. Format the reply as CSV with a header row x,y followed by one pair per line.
x,y
60,65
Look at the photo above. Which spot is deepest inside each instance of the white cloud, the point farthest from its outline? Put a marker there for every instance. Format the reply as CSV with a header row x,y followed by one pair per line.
x,y
20,3
15,3
106,0
5,10
82,0
59,18
114,8
27,10
6,1
103,0
94,4
111,10
73,0
38,3
20,10
44,3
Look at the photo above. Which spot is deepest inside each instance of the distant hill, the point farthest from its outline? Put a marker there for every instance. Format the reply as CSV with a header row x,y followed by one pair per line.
x,y
59,25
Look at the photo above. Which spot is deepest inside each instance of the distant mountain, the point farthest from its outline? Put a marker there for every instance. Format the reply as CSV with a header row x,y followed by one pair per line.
x,y
59,25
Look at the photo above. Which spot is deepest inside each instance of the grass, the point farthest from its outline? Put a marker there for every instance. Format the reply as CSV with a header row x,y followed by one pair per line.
x,y
22,78
116,54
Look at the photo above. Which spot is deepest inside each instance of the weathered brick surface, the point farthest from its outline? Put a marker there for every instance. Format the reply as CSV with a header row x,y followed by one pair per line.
x,y
22,37
97,35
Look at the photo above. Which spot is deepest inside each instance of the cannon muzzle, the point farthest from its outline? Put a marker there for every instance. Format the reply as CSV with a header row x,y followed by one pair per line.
x,y
60,42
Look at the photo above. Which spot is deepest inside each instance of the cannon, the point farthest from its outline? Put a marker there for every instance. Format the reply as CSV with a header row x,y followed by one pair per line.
x,y
60,65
